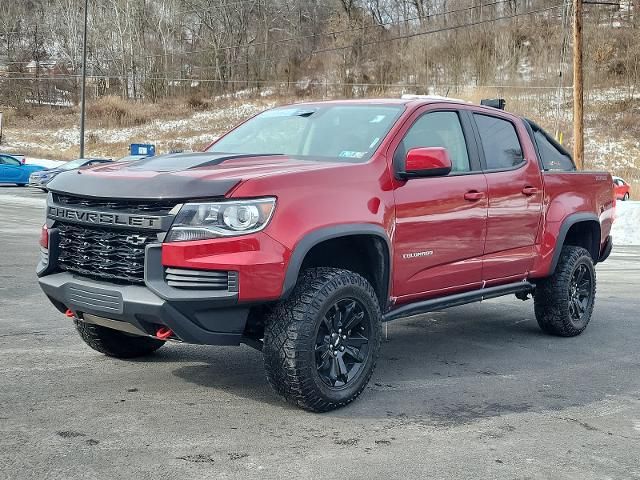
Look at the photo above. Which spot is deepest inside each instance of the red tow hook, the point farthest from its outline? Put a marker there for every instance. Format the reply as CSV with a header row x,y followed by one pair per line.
x,y
164,333
69,313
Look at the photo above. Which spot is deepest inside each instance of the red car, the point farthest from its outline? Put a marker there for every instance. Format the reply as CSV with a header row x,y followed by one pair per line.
x,y
305,228
621,188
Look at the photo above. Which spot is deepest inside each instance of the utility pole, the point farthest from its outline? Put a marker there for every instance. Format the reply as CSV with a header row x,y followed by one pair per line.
x,y
578,114
84,79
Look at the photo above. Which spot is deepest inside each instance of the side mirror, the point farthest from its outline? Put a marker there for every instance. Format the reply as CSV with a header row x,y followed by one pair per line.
x,y
426,162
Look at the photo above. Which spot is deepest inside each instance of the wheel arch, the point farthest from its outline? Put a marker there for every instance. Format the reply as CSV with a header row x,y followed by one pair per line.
x,y
363,241
581,230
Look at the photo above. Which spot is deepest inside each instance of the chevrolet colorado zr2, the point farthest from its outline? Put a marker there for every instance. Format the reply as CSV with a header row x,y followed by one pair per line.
x,y
305,228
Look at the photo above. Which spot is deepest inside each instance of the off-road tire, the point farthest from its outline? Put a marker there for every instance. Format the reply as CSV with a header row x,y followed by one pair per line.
x,y
292,329
114,343
552,296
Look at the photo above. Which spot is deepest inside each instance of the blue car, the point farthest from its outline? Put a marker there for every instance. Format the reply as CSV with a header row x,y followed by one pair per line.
x,y
13,170
39,179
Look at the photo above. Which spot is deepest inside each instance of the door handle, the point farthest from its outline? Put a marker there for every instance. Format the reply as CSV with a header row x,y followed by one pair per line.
x,y
473,196
528,191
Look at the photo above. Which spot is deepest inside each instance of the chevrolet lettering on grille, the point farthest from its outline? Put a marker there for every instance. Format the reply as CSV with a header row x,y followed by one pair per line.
x,y
105,218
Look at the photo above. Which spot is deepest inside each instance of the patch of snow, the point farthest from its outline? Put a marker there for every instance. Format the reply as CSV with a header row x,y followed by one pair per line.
x,y
610,94
202,127
525,70
43,162
57,103
610,154
626,228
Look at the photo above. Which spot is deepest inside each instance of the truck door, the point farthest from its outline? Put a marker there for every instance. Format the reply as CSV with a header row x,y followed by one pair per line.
x,y
440,221
515,197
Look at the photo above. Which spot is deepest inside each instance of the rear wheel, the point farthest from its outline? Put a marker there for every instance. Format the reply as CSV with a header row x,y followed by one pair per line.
x,y
114,343
21,184
564,301
322,343
626,197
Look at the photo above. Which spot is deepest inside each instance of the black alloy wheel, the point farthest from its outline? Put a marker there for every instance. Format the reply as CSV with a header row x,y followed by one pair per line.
x,y
321,343
580,293
342,343
564,301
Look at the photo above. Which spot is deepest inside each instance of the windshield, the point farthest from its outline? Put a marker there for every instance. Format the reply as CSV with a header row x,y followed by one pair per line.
x,y
128,158
73,164
347,132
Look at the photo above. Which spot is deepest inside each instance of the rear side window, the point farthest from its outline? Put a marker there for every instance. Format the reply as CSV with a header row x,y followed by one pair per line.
x,y
500,142
552,158
438,129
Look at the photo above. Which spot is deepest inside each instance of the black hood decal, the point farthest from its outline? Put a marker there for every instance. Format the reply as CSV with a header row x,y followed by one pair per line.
x,y
160,187
164,185
176,162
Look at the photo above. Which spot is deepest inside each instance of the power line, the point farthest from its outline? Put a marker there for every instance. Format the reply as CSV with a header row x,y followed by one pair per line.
x,y
302,37
274,83
443,29
375,42
220,5
325,34
338,32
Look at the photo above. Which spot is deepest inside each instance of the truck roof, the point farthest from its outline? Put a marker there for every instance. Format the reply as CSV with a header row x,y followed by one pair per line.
x,y
412,100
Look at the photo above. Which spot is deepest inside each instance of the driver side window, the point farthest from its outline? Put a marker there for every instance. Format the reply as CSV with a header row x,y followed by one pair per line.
x,y
438,129
9,161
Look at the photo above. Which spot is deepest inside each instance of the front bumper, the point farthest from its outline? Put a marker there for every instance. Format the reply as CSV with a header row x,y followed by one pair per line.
x,y
195,316
213,315
192,320
38,182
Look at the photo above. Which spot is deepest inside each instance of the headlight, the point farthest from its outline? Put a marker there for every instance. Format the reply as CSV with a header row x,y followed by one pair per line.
x,y
199,221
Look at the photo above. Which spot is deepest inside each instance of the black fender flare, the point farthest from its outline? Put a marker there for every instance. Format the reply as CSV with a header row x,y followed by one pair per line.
x,y
567,223
320,235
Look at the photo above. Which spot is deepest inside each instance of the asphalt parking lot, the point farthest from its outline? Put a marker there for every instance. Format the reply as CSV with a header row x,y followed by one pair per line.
x,y
473,392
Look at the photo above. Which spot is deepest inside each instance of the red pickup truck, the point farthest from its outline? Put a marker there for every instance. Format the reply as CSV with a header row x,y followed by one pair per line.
x,y
305,228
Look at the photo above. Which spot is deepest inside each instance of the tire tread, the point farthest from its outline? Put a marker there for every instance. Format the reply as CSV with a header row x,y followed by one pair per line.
x,y
551,295
115,344
289,328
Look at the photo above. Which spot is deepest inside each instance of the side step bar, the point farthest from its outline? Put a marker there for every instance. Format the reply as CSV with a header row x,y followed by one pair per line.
x,y
435,304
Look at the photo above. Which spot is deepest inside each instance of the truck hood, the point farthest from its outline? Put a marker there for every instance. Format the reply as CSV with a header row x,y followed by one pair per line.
x,y
177,176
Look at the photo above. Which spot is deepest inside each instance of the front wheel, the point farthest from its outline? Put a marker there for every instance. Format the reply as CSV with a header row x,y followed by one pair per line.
x,y
626,197
322,343
564,301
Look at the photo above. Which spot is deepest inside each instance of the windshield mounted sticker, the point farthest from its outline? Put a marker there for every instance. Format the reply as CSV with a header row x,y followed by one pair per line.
x,y
350,154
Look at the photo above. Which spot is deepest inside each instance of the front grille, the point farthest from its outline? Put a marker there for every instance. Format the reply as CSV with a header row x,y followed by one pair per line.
x,y
102,253
201,279
151,207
